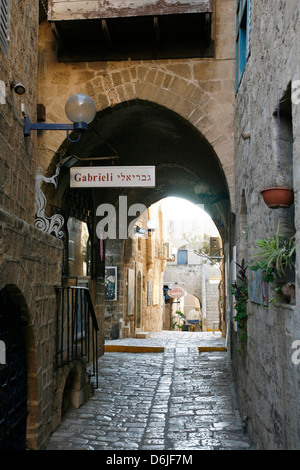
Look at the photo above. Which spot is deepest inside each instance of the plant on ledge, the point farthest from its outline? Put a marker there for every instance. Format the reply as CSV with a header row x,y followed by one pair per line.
x,y
276,258
240,291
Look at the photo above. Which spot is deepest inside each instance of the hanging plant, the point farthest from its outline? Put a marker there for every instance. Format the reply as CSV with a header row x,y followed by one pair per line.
x,y
276,259
276,255
240,291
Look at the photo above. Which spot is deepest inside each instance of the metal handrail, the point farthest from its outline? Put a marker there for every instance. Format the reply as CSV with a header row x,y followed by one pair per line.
x,y
76,328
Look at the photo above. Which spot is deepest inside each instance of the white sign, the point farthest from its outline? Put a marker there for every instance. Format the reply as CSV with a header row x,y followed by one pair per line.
x,y
112,177
176,292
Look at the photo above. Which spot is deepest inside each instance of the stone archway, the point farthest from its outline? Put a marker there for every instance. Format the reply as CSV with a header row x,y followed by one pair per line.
x,y
144,133
140,132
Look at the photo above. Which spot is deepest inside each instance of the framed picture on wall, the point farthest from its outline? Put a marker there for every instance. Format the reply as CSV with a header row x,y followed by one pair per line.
x,y
111,283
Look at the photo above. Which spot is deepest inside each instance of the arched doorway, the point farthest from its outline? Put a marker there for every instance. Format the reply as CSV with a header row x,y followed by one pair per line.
x,y
13,375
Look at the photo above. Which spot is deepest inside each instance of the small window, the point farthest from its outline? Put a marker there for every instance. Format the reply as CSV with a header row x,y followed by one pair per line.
x,y
4,36
182,257
242,38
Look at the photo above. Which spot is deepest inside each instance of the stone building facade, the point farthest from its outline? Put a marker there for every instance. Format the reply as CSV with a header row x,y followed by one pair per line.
x,y
165,104
201,280
138,307
267,155
30,259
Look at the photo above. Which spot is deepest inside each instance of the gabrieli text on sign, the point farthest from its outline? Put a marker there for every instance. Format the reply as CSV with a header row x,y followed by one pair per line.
x,y
112,177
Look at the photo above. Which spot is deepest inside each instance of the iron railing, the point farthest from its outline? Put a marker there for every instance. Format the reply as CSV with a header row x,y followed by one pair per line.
x,y
76,328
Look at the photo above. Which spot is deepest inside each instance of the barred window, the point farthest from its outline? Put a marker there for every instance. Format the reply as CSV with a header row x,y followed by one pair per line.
x,y
243,13
4,29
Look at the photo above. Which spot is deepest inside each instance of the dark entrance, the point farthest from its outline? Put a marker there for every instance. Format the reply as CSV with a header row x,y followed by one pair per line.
x,y
13,376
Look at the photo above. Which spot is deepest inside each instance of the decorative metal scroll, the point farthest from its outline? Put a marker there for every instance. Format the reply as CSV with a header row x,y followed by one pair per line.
x,y
42,222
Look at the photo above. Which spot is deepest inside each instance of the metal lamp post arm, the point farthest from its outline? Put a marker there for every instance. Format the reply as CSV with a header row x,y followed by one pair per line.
x,y
42,126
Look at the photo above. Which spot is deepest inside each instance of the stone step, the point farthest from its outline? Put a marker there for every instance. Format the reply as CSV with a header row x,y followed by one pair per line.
x,y
142,335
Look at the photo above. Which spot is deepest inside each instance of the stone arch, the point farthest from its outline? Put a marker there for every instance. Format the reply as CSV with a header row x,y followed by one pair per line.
x,y
131,126
141,132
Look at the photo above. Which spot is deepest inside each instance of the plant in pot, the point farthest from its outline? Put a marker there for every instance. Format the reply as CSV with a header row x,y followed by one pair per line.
x,y
239,290
276,258
279,195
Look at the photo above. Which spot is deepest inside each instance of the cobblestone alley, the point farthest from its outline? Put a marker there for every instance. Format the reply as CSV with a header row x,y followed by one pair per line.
x,y
181,399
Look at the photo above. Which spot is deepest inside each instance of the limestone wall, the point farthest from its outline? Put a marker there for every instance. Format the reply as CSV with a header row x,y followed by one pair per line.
x,y
267,379
190,278
138,257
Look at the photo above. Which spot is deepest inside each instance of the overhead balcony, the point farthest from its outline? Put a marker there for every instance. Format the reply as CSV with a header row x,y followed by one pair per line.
x,y
121,30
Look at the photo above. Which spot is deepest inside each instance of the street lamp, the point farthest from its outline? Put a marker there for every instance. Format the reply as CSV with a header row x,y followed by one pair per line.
x,y
80,109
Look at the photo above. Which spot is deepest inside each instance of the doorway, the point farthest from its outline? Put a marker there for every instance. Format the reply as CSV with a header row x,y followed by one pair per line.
x,y
13,376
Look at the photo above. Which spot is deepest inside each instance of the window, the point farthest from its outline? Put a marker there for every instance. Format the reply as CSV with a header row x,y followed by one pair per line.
x,y
182,257
242,38
4,38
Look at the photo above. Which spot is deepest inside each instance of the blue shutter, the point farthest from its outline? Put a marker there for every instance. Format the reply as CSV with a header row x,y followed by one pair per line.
x,y
243,32
248,35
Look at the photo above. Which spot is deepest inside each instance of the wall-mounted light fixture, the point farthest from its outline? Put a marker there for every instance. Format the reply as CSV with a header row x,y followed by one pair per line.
x,y
68,162
80,109
18,88
140,231
151,224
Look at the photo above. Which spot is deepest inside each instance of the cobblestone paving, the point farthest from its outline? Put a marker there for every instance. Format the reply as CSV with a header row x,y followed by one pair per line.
x,y
177,400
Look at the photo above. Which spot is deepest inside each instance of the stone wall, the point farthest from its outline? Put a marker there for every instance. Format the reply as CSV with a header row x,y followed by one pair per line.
x,y
190,278
140,256
31,264
199,90
267,379
30,259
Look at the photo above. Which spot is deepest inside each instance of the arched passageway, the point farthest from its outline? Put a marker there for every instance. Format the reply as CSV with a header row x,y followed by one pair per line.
x,y
142,133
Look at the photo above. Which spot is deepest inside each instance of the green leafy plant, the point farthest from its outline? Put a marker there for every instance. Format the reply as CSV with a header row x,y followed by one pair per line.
x,y
276,255
179,315
240,291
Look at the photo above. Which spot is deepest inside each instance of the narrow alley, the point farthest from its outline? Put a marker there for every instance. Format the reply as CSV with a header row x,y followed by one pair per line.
x,y
180,399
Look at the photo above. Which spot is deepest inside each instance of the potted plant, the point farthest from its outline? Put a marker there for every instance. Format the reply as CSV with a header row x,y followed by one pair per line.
x,y
276,258
280,196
